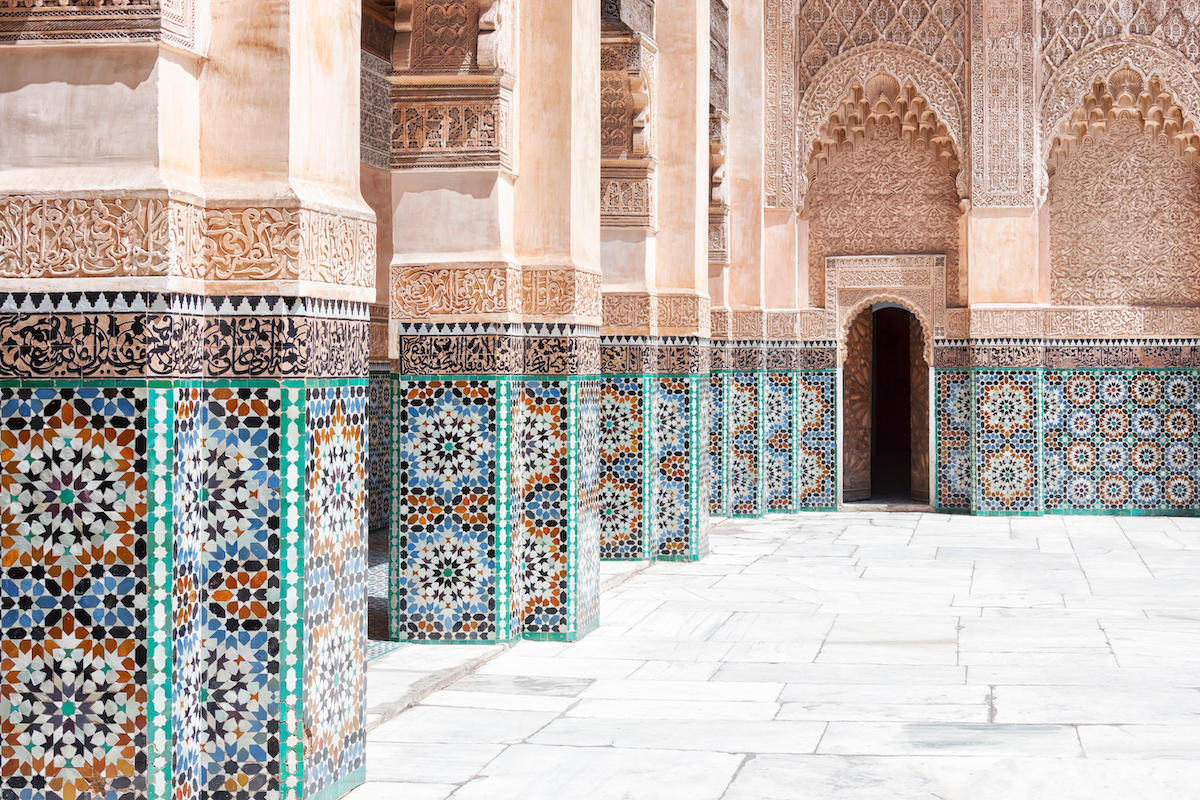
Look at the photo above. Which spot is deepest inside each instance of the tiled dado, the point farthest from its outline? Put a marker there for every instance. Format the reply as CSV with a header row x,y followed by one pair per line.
x,y
495,503
1068,427
194,547
780,452
653,457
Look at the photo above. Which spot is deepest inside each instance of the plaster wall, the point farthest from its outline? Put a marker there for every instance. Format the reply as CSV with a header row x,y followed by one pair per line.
x,y
628,257
745,161
682,108
557,202
451,215
80,118
1003,248
780,262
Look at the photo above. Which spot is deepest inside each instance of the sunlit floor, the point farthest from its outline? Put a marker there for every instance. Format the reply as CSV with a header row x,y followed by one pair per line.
x,y
845,656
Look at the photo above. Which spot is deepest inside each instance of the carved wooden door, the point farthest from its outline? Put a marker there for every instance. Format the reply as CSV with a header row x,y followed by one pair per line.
x,y
856,409
919,412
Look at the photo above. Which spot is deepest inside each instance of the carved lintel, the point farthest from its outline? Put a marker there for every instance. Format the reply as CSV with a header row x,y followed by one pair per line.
x,y
629,314
451,121
627,194
456,292
169,21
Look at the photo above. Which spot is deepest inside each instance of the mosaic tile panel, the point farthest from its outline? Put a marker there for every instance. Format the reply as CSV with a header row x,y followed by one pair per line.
x,y
680,464
451,518
1120,440
240,704
585,424
746,483
952,467
704,479
1007,441
779,450
379,438
559,482
189,588
817,455
625,426
335,573
73,591
718,443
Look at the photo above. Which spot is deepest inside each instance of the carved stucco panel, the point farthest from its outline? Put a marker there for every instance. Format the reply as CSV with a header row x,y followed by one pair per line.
x,y
882,198
856,66
1066,89
1125,222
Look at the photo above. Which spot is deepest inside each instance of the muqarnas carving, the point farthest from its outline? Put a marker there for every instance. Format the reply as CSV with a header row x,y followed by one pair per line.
x,y
883,183
1124,198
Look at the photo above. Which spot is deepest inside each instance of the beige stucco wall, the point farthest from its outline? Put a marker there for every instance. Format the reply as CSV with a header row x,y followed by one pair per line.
x,y
557,201
1003,252
81,118
745,155
682,28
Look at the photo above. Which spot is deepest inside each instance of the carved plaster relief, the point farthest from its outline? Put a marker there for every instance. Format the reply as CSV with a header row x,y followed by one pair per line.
x,y
932,88
779,113
171,21
1076,79
560,292
1125,222
1070,26
627,63
375,117
914,281
629,312
885,196
132,237
421,292
1003,104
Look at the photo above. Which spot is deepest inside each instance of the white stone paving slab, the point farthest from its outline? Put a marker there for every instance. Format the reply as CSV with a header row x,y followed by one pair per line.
x,y
834,656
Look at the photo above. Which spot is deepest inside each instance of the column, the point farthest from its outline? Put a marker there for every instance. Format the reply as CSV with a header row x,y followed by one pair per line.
x,y
628,189
455,331
681,277
184,402
717,391
558,244
747,295
1002,241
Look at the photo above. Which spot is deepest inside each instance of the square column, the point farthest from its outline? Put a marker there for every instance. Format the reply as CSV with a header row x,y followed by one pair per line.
x,y
195,523
718,439
626,434
680,457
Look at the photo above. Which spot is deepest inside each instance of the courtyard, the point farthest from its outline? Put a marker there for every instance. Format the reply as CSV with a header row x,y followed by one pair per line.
x,y
836,656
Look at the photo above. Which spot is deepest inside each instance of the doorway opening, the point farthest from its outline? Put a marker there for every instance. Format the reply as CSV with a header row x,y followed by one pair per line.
x,y
885,409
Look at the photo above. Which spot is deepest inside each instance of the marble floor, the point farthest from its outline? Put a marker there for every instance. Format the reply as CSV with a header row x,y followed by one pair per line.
x,y
838,656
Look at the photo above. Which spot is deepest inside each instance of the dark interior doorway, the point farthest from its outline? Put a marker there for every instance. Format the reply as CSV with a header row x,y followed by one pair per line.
x,y
891,406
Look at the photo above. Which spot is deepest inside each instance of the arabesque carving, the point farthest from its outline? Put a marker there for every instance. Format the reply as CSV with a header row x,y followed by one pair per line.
x,y
560,292
1069,26
827,28
1125,216
1003,104
421,292
914,281
883,197
1077,78
779,113
882,101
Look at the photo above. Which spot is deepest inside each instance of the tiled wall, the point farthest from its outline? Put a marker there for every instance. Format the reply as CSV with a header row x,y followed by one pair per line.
x,y
1067,440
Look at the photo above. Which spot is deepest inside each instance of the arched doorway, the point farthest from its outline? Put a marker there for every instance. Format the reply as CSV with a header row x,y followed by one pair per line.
x,y
885,408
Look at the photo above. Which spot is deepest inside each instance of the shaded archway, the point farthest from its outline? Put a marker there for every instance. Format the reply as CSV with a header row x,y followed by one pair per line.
x,y
885,407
